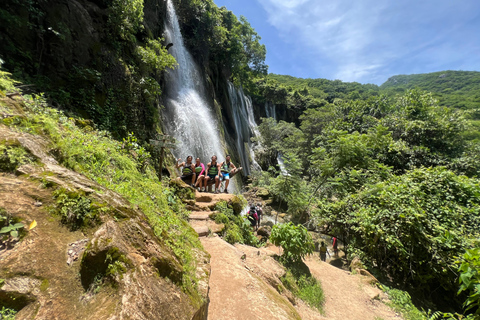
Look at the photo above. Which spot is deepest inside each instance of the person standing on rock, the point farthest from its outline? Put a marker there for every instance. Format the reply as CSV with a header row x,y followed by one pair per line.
x,y
199,171
213,172
323,252
188,171
259,213
227,167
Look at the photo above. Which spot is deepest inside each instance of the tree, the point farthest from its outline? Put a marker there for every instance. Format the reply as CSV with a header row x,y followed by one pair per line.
x,y
295,241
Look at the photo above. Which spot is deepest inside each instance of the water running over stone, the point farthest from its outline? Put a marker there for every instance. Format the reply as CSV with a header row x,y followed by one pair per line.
x,y
245,127
189,118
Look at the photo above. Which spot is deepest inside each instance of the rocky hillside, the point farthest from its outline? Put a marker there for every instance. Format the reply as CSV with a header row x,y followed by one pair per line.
x,y
73,248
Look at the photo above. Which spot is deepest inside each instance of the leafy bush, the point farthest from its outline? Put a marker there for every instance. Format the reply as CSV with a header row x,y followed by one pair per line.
x,y
237,228
295,241
469,279
75,209
10,227
13,156
311,292
410,226
7,313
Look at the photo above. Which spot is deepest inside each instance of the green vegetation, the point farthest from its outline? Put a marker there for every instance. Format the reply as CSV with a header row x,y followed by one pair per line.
x,y
295,241
469,279
115,75
458,89
385,176
237,228
303,285
117,262
7,314
13,156
402,303
113,165
452,89
75,209
10,227
7,85
230,45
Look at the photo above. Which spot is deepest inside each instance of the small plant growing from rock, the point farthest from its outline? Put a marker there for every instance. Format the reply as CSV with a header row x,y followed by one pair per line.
x,y
75,209
9,227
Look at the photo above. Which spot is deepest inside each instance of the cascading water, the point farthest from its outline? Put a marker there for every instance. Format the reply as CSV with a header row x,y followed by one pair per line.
x,y
270,110
245,127
189,118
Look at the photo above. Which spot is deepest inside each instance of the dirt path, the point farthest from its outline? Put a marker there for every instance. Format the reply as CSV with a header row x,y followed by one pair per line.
x,y
245,281
243,285
348,296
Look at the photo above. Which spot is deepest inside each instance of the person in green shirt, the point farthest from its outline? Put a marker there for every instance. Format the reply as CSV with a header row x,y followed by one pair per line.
x,y
188,171
213,172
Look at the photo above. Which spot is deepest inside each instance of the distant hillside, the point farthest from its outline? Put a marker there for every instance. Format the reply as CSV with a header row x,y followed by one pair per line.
x,y
328,89
459,89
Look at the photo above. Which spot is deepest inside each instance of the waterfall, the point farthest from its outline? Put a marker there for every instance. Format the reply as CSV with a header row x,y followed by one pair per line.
x,y
189,118
270,110
245,127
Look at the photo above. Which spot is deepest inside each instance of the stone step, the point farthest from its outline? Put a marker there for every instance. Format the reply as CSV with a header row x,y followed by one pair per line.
x,y
201,215
205,227
202,231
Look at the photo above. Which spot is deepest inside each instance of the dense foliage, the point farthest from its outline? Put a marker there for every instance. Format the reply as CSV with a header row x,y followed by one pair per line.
x,y
230,45
106,61
452,89
457,89
386,176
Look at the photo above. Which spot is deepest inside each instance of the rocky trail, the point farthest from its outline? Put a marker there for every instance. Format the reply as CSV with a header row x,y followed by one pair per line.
x,y
245,281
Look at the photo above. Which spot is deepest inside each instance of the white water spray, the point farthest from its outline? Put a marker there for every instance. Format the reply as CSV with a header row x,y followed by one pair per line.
x,y
189,118
245,127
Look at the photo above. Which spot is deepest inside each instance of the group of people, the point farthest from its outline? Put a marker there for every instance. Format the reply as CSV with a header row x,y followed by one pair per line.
x,y
254,215
198,176
324,251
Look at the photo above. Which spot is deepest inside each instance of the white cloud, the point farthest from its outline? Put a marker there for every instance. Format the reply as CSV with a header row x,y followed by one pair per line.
x,y
356,40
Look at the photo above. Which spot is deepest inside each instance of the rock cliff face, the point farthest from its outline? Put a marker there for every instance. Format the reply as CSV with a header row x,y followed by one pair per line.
x,y
114,269
74,51
78,53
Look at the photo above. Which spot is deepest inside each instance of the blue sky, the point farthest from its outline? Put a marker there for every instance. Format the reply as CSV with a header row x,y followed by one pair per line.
x,y
365,40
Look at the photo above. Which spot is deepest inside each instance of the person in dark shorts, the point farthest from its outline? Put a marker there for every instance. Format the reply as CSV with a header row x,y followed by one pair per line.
x,y
252,216
335,246
323,252
259,213
213,172
188,171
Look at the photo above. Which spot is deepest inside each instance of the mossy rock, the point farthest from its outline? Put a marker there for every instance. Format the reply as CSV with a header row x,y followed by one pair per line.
x,y
182,190
238,203
263,193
